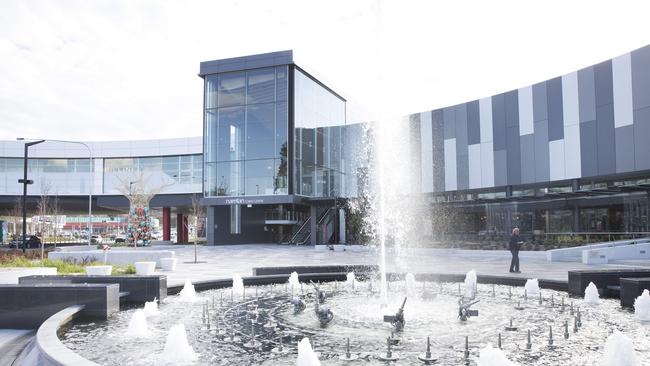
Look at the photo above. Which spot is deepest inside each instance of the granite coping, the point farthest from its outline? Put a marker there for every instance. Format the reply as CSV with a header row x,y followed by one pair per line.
x,y
52,351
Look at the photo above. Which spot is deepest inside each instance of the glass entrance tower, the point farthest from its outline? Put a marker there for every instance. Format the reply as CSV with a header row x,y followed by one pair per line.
x,y
272,145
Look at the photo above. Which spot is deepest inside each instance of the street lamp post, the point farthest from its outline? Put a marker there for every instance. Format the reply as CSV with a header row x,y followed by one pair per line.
x,y
90,183
25,182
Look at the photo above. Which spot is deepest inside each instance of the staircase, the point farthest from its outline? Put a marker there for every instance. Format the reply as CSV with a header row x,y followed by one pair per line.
x,y
325,226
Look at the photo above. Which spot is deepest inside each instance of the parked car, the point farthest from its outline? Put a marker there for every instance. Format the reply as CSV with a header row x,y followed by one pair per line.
x,y
119,239
33,241
96,239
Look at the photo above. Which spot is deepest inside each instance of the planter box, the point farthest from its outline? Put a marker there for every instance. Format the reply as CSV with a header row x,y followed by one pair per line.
x,y
99,270
144,268
168,264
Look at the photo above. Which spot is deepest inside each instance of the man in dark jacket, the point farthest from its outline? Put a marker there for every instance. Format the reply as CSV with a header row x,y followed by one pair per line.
x,y
515,244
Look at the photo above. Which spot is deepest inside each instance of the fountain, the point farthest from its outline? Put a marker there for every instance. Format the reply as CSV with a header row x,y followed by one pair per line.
x,y
490,356
642,307
464,311
532,287
151,308
410,285
591,294
470,284
187,294
177,348
619,351
306,355
294,282
138,325
397,320
237,285
349,282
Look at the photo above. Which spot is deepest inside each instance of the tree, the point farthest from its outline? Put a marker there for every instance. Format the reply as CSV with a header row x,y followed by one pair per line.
x,y
43,208
137,189
198,213
55,209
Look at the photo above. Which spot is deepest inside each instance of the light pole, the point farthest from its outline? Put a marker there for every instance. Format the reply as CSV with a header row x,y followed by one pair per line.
x,y
25,182
90,177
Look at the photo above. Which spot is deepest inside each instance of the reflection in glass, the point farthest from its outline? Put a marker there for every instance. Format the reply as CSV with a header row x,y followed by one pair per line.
x,y
211,90
231,134
232,89
260,131
259,177
261,86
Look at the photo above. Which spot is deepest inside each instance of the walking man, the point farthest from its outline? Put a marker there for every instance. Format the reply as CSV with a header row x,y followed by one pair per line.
x,y
515,245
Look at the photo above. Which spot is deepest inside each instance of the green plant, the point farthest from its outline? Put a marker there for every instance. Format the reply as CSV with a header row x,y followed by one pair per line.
x,y
122,270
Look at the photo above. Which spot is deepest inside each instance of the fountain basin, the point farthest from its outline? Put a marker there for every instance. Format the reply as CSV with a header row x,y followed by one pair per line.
x,y
99,270
145,268
358,315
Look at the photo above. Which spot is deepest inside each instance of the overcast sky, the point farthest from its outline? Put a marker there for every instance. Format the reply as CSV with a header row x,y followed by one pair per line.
x,y
121,70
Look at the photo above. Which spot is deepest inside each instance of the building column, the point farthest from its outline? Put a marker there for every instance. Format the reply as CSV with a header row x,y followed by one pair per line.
x,y
341,226
313,239
166,223
210,225
576,219
179,228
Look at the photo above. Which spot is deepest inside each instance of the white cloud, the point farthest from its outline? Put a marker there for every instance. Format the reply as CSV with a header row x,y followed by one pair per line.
x,y
127,69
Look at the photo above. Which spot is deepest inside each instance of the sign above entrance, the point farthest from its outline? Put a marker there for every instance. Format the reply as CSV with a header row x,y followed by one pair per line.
x,y
252,200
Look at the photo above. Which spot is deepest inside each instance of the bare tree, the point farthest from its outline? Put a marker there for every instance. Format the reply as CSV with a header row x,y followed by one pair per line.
x,y
137,189
198,213
43,207
55,209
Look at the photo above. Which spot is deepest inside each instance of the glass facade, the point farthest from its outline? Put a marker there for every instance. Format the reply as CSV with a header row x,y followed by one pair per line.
x,y
319,134
246,124
57,176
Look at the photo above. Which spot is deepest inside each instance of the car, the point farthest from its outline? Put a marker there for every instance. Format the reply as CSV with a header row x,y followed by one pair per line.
x,y
33,241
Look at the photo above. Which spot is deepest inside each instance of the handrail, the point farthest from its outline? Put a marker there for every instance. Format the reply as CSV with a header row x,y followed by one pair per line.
x,y
50,346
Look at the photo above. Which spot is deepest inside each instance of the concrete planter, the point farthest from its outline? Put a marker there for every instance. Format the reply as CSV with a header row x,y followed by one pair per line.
x,y
168,264
99,270
145,268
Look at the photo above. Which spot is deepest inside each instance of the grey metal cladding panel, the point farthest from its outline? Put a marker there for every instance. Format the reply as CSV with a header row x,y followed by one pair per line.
x,y
246,62
438,145
554,107
462,171
512,108
498,122
461,129
588,148
542,167
586,94
540,110
527,150
624,149
604,90
500,168
605,139
513,155
641,78
449,117
473,123
641,138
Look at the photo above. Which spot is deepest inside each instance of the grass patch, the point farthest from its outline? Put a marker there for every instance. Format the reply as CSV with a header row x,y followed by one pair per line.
x,y
62,267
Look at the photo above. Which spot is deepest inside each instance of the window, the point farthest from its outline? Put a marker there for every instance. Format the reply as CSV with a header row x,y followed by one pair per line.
x,y
232,89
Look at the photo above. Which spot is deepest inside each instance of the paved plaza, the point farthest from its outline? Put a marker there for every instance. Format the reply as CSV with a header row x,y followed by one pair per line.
x,y
223,261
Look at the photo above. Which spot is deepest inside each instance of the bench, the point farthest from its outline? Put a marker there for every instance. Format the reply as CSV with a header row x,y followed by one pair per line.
x,y
578,280
631,288
137,289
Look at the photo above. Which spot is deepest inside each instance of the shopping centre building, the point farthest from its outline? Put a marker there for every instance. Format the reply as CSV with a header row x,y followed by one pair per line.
x,y
278,160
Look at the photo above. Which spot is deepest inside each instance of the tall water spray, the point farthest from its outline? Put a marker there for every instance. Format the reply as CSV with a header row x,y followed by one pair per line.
x,y
411,290
532,286
642,307
177,348
294,282
349,281
306,355
470,284
591,294
138,325
237,284
619,350
151,308
187,294
490,356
